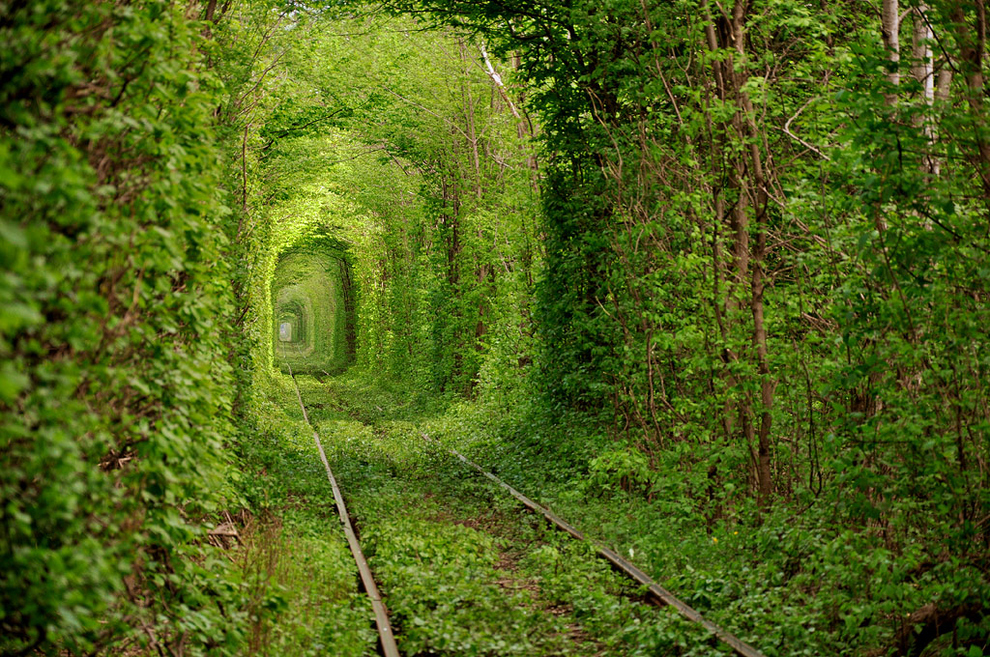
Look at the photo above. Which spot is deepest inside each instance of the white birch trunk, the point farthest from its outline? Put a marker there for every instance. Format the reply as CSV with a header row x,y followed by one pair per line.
x,y
891,28
922,68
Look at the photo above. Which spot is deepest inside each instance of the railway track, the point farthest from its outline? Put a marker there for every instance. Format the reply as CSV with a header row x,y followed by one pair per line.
x,y
654,591
386,637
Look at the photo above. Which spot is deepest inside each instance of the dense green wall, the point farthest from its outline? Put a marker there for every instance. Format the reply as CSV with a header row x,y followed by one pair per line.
x,y
114,390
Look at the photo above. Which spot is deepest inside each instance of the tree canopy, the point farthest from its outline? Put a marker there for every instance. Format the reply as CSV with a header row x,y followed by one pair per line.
x,y
721,268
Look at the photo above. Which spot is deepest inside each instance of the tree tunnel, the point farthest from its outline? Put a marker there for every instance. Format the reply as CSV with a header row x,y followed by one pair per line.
x,y
313,309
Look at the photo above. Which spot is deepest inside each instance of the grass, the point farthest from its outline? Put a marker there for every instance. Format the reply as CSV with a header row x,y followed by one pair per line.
x,y
465,571
293,553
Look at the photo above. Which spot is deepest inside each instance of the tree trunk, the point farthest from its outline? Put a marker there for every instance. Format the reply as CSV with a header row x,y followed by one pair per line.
x,y
971,49
747,181
470,130
923,71
891,29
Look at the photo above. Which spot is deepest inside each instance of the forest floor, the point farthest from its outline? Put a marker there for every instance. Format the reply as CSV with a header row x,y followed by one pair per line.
x,y
463,569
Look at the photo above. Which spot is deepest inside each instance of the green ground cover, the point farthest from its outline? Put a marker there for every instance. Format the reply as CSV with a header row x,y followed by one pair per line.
x,y
463,568
794,582
293,552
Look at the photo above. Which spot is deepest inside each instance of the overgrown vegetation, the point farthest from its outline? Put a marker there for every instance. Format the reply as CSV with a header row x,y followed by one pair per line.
x,y
114,392
710,279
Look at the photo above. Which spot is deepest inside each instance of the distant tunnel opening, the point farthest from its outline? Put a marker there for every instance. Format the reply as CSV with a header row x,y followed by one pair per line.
x,y
313,308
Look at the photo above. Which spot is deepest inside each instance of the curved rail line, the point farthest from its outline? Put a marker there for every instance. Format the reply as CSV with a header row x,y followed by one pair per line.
x,y
385,634
656,591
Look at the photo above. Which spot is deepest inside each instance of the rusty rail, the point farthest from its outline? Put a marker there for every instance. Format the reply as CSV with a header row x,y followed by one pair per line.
x,y
656,591
385,634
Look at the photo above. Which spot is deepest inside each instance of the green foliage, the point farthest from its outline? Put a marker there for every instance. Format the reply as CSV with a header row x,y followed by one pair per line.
x,y
463,571
293,553
440,576
620,468
312,293
419,175
113,403
742,288
765,261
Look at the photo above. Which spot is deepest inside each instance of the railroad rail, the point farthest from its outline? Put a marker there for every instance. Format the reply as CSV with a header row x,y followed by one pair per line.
x,y
385,635
657,592
654,591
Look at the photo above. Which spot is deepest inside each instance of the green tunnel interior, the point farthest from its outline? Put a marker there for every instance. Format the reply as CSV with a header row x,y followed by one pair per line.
x,y
313,309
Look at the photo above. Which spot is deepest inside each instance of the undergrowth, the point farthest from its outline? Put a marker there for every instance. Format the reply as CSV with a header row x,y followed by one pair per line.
x,y
465,571
792,581
293,552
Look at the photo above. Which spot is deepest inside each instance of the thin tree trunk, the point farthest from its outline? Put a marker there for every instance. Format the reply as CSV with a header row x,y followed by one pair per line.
x,y
244,182
891,29
747,179
923,70
471,132
971,49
